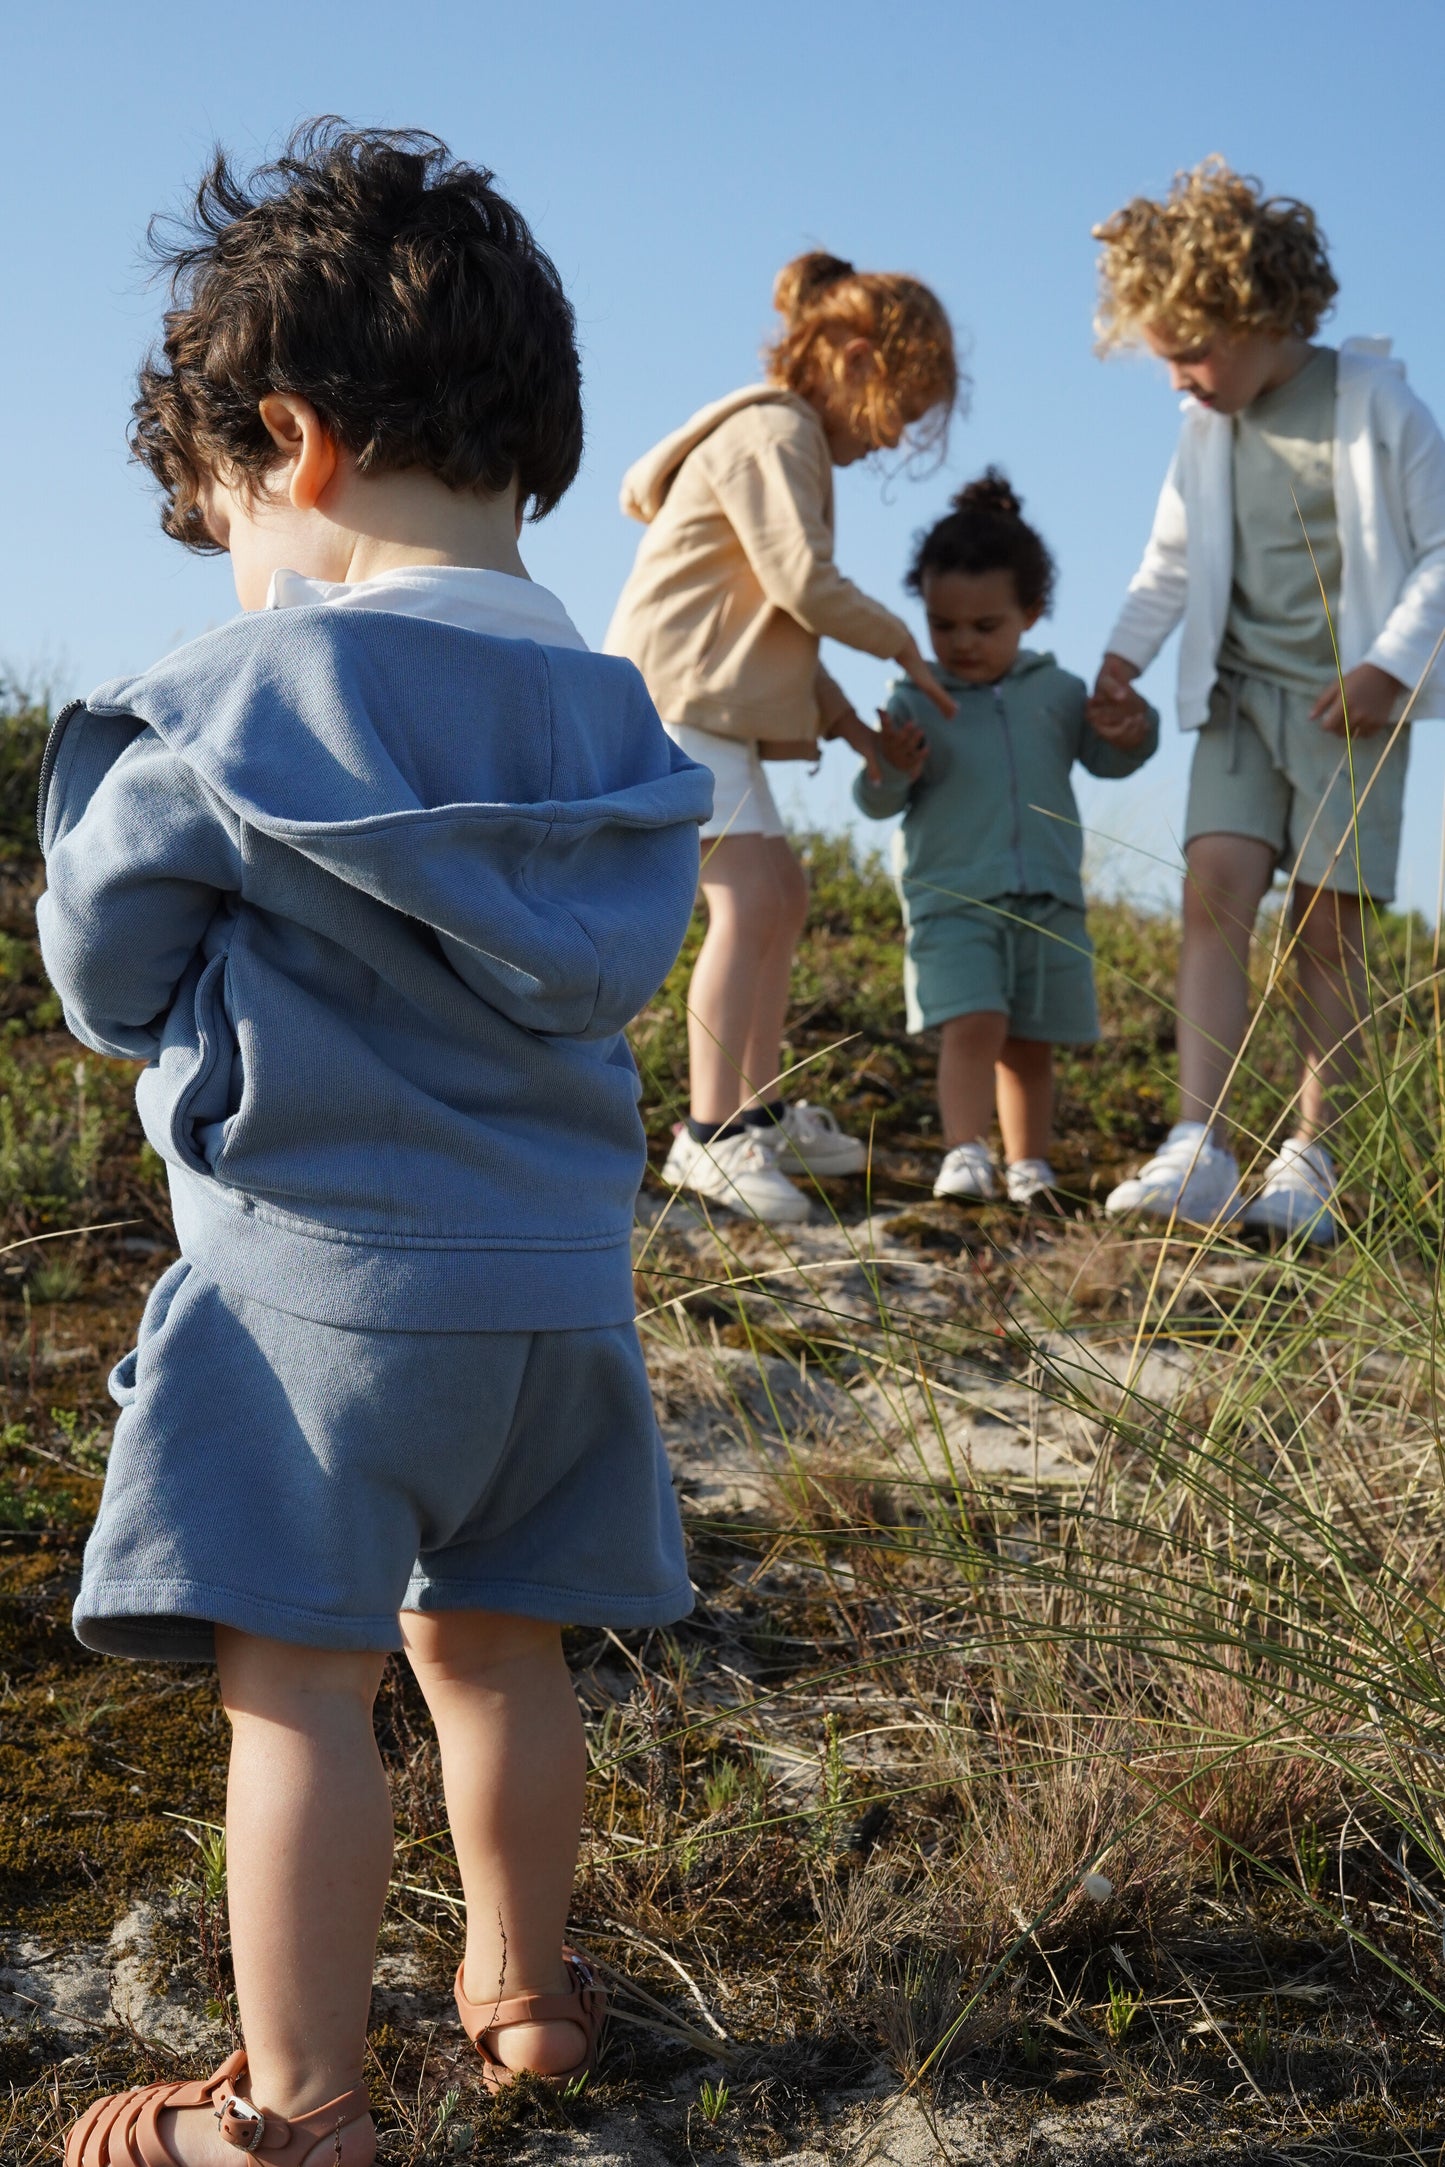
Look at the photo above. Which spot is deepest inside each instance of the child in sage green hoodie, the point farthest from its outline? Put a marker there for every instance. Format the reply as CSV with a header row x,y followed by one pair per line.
x,y
991,847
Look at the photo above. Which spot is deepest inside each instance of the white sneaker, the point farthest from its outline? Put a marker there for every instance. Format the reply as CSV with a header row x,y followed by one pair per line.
x,y
1188,1178
807,1140
967,1171
1026,1180
738,1171
1295,1199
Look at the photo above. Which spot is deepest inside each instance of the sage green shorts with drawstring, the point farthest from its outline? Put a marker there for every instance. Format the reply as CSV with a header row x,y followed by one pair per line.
x,y
1330,812
1028,957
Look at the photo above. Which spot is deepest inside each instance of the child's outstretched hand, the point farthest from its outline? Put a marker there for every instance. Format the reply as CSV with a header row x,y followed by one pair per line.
x,y
1361,706
902,744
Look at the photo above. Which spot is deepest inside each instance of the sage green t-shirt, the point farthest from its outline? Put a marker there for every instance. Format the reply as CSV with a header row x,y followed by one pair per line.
x,y
1285,441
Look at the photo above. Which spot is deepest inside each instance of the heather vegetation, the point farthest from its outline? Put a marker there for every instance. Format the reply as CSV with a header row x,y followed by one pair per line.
x,y
1061,1722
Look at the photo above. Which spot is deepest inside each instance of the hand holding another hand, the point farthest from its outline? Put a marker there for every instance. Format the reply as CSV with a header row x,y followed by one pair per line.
x,y
854,731
1123,723
1113,696
902,744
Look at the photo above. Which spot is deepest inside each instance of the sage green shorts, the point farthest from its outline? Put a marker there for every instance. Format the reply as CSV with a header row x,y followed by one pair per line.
x,y
1028,957
1264,769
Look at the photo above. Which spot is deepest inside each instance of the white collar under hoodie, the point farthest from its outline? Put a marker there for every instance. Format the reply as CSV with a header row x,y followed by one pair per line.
x,y
1389,473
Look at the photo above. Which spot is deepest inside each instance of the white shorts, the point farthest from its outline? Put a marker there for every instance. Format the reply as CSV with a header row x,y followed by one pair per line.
x,y
742,801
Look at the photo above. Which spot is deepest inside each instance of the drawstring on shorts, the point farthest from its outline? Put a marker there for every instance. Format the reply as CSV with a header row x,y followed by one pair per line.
x,y
1012,928
1233,683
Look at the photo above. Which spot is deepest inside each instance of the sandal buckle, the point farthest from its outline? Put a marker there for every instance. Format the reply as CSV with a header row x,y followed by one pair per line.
x,y
241,2124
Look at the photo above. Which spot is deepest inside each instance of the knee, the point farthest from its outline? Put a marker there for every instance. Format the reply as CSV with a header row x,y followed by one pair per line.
x,y
742,918
1026,1057
1328,928
976,1037
1213,908
276,1681
473,1646
1222,895
783,895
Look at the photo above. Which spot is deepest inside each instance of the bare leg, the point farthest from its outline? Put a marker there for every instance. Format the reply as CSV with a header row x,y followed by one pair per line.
x,y
763,1055
1334,999
757,902
308,1857
1226,880
514,1764
969,1047
1024,1081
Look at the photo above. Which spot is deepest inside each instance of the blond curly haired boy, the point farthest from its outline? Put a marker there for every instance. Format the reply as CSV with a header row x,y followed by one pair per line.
x,y
1300,542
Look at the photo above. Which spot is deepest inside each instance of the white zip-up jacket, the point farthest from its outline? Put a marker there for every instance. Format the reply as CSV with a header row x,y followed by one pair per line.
x,y
1389,472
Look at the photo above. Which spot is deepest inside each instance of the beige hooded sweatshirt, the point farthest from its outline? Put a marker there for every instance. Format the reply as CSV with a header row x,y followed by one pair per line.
x,y
734,583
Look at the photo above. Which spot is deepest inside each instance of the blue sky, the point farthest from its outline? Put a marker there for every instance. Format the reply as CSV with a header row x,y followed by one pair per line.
x,y
671,158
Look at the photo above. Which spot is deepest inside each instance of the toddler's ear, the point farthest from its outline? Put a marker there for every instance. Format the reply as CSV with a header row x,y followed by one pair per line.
x,y
305,448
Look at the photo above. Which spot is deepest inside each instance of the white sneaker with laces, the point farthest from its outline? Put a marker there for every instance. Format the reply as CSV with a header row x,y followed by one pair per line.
x,y
738,1171
1294,1202
808,1140
1188,1178
967,1171
1026,1180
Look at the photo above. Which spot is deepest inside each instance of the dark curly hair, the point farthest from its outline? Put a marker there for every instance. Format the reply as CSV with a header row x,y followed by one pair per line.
x,y
367,271
987,532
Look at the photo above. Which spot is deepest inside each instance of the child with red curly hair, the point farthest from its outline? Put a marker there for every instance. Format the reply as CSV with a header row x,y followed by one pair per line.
x,y
1300,541
733,588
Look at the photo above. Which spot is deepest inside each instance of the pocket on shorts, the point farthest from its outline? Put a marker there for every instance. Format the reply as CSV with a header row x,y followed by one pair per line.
x,y
122,1382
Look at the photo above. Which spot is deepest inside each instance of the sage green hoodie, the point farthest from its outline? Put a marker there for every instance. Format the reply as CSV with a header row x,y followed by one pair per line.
x,y
994,811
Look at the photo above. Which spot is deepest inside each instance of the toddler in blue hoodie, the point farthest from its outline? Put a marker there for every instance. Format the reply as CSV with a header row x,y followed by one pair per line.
x,y
372,879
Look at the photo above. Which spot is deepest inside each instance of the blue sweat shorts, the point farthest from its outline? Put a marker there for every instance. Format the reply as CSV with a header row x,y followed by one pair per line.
x,y
305,1483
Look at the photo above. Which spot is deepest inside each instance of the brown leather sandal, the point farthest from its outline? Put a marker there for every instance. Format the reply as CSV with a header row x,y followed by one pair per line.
x,y
123,2130
584,2005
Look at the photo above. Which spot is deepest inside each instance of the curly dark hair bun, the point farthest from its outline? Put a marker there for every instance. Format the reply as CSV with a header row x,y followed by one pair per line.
x,y
987,532
991,492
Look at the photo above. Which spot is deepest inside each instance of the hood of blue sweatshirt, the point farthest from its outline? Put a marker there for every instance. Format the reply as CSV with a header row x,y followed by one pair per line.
x,y
375,898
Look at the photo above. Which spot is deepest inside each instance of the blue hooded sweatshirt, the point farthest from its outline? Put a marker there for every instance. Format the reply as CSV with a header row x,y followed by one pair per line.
x,y
374,898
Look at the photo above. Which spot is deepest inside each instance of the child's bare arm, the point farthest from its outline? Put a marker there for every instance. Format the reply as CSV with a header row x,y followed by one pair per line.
x,y
840,719
854,731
